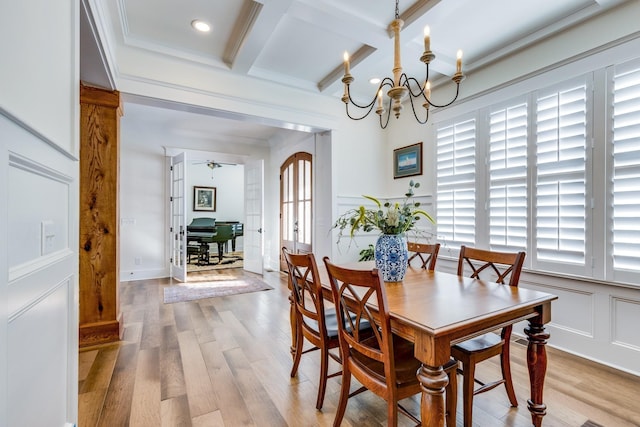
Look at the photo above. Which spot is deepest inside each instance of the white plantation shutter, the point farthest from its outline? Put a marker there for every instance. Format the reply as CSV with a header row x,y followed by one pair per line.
x,y
508,178
626,168
561,141
456,181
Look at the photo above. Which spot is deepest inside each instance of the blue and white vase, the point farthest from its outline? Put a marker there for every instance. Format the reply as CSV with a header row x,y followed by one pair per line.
x,y
391,256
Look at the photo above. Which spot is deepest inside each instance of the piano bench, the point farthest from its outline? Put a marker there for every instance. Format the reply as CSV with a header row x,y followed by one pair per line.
x,y
200,251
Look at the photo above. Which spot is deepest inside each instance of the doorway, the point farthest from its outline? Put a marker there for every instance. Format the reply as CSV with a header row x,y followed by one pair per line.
x,y
232,181
296,204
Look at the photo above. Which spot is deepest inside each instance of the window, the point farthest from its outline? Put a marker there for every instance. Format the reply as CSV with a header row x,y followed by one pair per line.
x,y
456,144
561,139
508,177
625,149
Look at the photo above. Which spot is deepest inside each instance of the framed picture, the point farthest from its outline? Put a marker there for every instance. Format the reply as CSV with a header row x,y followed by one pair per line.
x,y
407,161
204,199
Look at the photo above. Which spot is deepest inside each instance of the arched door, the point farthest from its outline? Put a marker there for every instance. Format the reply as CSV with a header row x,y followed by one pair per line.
x,y
296,204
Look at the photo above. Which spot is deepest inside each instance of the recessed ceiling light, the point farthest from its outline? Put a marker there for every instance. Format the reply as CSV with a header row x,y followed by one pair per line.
x,y
374,81
200,25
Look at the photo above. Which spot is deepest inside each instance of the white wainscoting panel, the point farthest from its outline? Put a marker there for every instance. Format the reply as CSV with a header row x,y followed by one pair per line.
x,y
625,317
40,295
37,354
573,311
39,200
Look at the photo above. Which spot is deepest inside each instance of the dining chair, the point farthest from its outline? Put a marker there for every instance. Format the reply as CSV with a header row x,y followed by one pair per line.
x,y
379,360
499,267
426,253
310,319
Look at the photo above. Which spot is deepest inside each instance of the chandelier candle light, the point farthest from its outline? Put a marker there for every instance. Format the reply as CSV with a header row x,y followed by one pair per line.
x,y
400,85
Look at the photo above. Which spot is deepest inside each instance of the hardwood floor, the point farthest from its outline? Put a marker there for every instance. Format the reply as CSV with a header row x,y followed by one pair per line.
x,y
225,362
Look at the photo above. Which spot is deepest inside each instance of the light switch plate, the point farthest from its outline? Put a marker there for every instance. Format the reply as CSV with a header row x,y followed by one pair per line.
x,y
47,237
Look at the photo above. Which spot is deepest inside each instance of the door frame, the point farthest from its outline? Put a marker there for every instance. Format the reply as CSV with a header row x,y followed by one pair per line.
x,y
294,161
178,211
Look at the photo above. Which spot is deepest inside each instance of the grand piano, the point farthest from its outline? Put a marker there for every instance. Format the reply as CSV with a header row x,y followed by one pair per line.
x,y
237,231
203,231
200,233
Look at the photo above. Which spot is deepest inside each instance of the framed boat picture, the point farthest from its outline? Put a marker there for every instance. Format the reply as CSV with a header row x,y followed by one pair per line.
x,y
407,161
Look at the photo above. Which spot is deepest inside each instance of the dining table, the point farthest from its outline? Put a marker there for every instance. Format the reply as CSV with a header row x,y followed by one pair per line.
x,y
435,310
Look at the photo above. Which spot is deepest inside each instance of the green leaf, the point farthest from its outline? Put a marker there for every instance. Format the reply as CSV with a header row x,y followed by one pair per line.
x,y
377,202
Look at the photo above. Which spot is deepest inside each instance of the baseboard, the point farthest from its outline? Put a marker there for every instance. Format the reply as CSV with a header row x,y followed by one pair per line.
x,y
100,333
159,273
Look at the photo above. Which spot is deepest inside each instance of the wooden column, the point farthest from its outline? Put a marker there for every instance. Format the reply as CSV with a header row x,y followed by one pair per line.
x,y
100,317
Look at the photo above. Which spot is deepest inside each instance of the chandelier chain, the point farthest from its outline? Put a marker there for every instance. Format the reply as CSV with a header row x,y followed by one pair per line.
x,y
397,10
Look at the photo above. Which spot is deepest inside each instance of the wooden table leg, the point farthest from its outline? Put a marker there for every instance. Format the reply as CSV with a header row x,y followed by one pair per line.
x,y
432,382
537,364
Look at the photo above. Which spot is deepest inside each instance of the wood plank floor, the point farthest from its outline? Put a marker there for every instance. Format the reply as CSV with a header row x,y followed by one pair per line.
x,y
225,362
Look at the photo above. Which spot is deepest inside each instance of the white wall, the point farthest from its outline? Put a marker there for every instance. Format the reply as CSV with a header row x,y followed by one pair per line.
x,y
39,119
228,181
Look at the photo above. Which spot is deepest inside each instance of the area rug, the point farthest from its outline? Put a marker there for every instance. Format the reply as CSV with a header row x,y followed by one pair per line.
x,y
191,291
229,260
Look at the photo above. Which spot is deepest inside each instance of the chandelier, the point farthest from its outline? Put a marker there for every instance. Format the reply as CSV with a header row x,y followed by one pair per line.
x,y
400,85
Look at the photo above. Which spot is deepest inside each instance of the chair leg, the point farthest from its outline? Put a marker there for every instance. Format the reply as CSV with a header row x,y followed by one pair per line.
x,y
324,368
344,396
392,413
506,374
452,398
468,385
298,352
294,328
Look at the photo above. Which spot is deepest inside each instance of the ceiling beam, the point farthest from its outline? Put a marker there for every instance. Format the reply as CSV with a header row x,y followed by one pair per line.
x,y
337,73
241,30
252,37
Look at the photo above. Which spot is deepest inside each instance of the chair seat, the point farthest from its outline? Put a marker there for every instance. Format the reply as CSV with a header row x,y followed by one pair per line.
x,y
406,365
331,323
480,343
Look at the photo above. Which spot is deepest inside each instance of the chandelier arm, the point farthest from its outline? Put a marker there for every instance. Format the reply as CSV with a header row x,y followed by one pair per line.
x,y
450,102
386,82
358,118
369,105
416,114
388,115
407,84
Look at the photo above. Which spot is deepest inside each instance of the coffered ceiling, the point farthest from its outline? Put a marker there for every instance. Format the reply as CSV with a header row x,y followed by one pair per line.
x,y
300,43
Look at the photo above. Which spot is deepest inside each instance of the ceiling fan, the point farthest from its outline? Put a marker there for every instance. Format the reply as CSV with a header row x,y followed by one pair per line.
x,y
213,164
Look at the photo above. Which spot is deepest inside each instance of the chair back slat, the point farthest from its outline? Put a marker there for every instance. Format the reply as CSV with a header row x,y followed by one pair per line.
x,y
306,290
355,292
426,253
499,267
